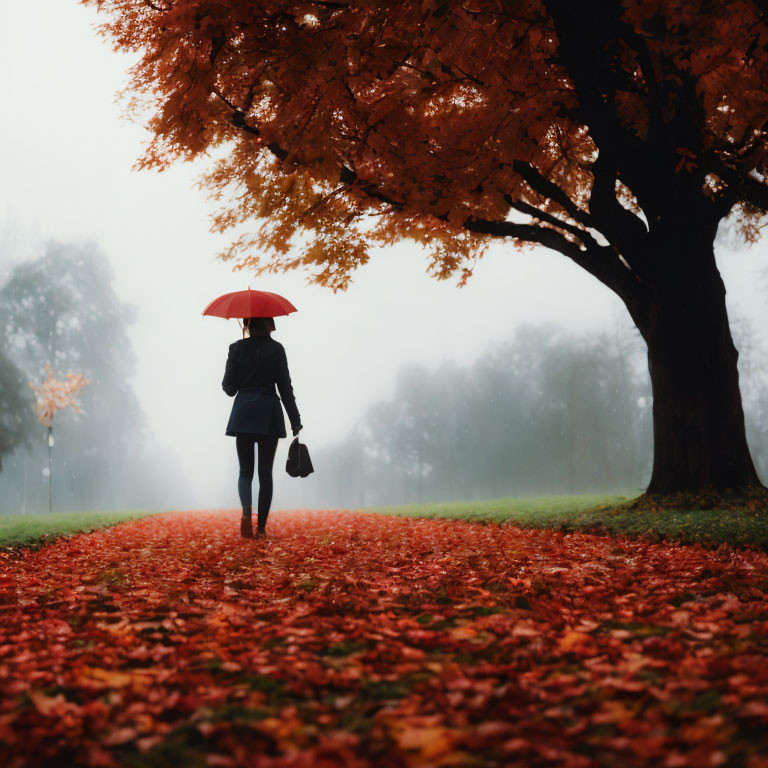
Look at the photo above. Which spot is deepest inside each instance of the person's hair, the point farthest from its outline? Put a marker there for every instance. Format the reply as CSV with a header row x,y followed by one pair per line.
x,y
259,326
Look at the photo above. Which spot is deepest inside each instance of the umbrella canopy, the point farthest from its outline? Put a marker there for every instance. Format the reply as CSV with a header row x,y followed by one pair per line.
x,y
249,304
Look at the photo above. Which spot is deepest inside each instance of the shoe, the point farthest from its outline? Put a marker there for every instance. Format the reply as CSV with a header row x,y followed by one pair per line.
x,y
246,527
261,533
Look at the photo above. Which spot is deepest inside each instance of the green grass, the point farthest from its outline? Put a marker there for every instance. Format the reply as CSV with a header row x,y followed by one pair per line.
x,y
741,524
535,511
29,530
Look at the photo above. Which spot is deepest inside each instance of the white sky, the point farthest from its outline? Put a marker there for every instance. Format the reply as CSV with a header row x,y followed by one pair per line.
x,y
66,174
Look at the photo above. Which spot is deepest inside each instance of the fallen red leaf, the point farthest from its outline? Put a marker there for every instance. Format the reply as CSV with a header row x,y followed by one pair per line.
x,y
171,635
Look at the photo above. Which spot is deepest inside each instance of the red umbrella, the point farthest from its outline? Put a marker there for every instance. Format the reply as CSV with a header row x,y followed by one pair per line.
x,y
249,304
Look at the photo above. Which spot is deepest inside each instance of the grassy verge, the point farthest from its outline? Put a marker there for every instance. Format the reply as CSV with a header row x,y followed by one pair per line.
x,y
29,530
742,524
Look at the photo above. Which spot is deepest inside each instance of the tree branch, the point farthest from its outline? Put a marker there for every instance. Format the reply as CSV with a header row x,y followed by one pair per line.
x,y
640,45
238,120
535,213
600,261
347,176
620,226
539,183
594,26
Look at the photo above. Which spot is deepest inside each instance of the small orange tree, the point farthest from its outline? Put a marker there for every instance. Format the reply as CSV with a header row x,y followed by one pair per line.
x,y
52,396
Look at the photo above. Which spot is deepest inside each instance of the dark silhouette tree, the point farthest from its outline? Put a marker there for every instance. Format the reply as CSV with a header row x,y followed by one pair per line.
x,y
617,133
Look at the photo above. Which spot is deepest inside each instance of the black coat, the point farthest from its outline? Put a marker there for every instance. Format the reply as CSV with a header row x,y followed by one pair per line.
x,y
256,365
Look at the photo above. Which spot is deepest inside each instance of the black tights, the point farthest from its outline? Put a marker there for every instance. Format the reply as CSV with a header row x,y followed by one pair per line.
x,y
246,455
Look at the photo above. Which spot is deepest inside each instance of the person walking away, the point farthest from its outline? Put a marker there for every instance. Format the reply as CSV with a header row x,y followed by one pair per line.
x,y
256,365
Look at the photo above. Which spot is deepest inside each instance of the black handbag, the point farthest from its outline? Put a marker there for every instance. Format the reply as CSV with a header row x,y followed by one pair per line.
x,y
299,464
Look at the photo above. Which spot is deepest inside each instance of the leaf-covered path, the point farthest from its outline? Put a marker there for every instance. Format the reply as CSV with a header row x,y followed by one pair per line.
x,y
363,640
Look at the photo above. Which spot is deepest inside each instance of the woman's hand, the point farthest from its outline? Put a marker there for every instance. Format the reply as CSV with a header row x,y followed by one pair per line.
x,y
297,430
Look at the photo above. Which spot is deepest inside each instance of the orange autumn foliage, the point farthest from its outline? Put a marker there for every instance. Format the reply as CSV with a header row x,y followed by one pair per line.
x,y
54,395
341,126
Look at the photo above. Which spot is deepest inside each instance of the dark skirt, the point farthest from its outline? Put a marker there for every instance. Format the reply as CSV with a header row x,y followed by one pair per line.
x,y
256,412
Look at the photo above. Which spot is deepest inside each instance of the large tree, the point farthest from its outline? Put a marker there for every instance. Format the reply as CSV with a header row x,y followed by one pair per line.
x,y
617,133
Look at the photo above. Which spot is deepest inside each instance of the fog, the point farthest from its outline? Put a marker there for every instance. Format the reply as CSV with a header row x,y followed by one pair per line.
x,y
68,179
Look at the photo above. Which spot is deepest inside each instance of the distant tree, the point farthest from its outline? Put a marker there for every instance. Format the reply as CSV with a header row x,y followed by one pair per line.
x,y
16,422
545,412
617,132
570,419
61,307
342,471
406,428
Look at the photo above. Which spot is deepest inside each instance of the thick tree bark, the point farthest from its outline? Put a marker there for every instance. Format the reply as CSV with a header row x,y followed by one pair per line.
x,y
700,440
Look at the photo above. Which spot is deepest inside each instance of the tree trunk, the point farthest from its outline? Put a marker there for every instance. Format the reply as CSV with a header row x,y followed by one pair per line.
x,y
699,437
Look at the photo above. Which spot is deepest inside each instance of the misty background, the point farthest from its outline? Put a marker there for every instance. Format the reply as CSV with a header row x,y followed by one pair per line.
x,y
531,379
